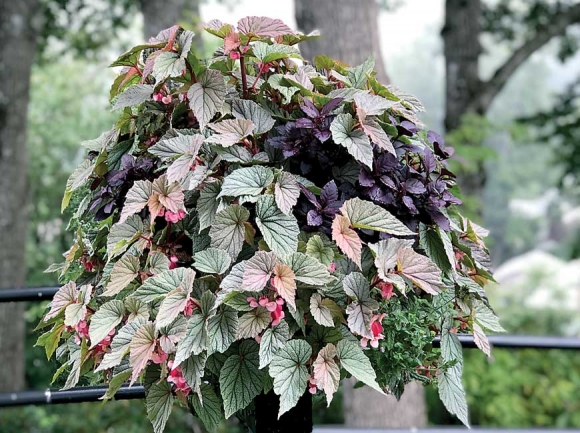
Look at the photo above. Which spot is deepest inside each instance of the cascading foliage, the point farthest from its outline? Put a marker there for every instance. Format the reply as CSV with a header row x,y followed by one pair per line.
x,y
255,222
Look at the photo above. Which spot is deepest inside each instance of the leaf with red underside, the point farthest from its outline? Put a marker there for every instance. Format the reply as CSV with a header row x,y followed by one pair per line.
x,y
263,26
258,270
347,239
420,270
285,283
66,295
326,371
141,349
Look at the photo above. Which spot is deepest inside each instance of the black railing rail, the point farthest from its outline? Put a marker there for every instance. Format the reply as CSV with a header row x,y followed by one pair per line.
x,y
94,393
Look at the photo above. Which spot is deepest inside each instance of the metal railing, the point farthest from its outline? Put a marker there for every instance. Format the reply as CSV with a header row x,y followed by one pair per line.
x,y
95,393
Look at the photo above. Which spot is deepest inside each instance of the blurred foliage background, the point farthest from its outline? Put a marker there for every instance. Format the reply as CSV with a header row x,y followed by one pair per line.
x,y
528,141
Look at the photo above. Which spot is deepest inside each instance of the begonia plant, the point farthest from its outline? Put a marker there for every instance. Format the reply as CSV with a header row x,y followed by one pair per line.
x,y
257,224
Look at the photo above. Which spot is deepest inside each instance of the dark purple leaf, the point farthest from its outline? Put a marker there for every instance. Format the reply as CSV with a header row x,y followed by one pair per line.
x,y
310,109
322,135
331,105
365,178
305,123
415,186
408,201
314,218
429,162
329,194
433,137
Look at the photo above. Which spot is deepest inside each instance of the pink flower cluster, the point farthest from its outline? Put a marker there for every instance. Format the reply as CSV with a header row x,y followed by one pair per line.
x,y
105,342
377,330
159,356
275,307
160,97
176,377
312,388
82,329
173,262
172,217
386,290
189,307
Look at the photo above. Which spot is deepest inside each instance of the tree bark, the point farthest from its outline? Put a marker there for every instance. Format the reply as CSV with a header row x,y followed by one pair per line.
x,y
296,420
160,15
17,52
365,408
349,31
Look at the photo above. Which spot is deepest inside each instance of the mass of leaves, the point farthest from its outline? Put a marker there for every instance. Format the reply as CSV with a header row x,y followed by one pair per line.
x,y
255,223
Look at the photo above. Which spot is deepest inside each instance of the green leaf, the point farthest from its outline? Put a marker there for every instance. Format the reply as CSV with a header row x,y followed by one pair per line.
x,y
247,109
273,339
253,322
486,317
288,369
420,270
432,244
123,234
163,283
247,181
158,262
230,131
280,231
178,144
361,311
234,280
120,345
321,311
124,271
195,340
356,141
286,191
240,378
451,392
358,74
136,199
308,270
209,407
115,384
318,250
77,179
193,369
353,360
207,96
137,309
222,330
212,261
228,229
208,204
173,304
364,214
51,339
267,53
168,64
134,95
159,402
74,313
106,318
277,82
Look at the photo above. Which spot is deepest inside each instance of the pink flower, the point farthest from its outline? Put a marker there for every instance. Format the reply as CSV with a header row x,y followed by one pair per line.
x,y
258,339
158,96
264,67
189,307
174,217
277,315
82,329
159,356
312,388
167,100
332,267
176,377
173,262
235,55
252,301
386,290
377,331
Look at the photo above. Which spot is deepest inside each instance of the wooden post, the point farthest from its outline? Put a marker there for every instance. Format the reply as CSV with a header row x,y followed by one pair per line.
x,y
296,420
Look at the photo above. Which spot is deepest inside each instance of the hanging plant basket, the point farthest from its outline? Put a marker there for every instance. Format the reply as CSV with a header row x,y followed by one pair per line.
x,y
255,228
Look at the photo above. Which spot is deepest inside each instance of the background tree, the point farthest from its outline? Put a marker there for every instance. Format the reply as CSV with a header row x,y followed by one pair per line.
x,y
17,51
350,30
528,26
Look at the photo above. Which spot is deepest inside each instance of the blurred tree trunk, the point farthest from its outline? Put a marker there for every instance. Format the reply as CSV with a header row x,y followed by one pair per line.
x,y
159,15
349,31
466,92
17,52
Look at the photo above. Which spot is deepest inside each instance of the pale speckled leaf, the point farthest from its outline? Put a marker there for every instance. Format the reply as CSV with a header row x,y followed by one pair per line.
x,y
280,231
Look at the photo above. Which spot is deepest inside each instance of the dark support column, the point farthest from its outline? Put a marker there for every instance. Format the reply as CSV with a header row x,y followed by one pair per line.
x,y
296,420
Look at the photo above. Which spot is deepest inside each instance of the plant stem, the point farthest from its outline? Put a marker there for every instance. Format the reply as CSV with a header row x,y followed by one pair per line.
x,y
244,79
